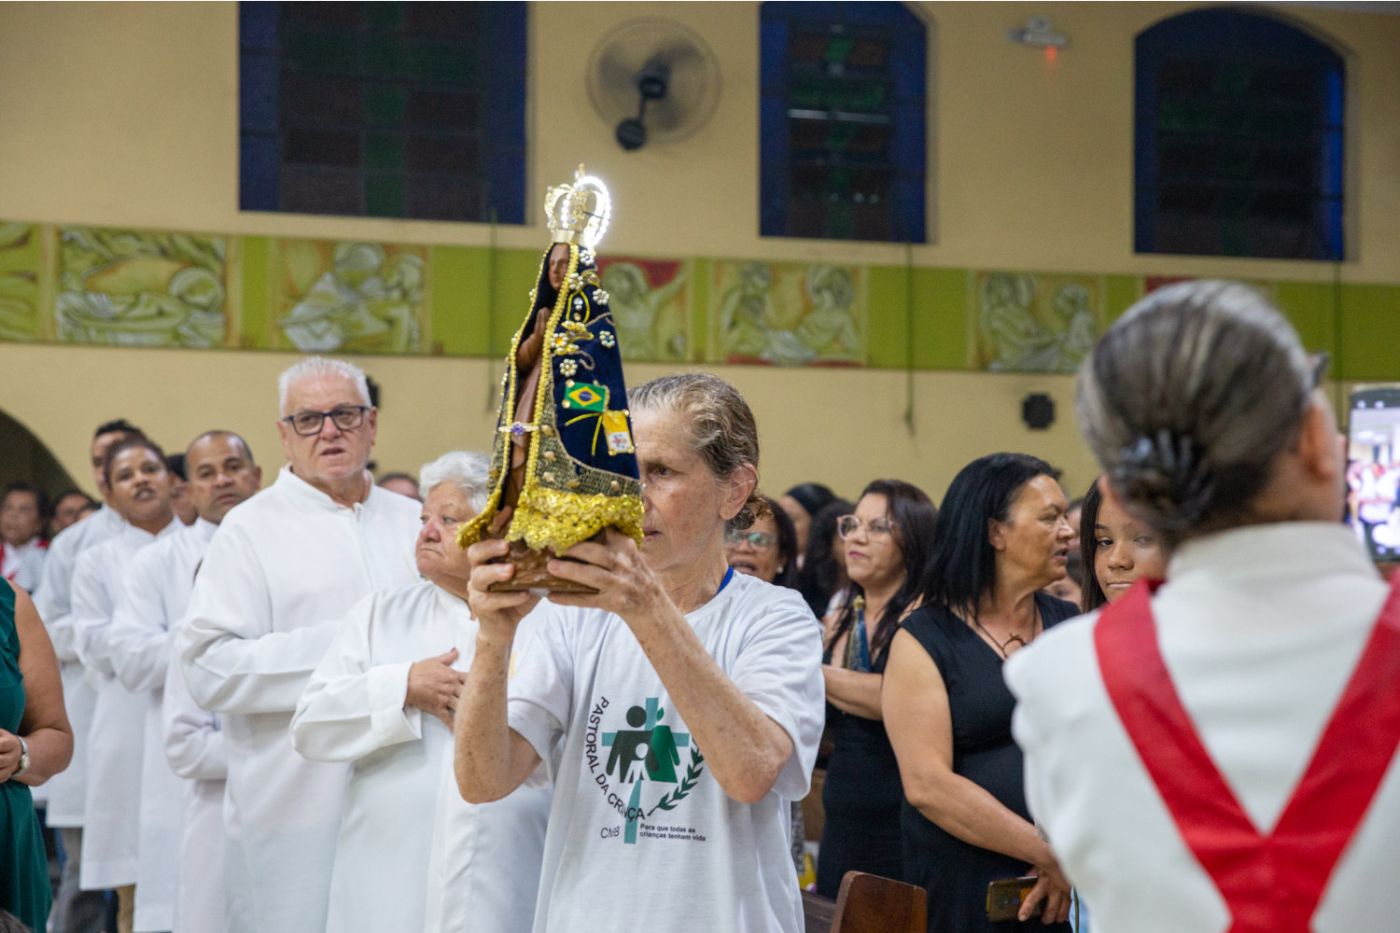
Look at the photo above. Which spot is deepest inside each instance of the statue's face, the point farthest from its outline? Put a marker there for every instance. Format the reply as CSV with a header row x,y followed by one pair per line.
x,y
558,265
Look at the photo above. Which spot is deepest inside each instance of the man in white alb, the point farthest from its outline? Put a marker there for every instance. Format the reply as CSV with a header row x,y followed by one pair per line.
x,y
75,911
157,593
141,490
283,570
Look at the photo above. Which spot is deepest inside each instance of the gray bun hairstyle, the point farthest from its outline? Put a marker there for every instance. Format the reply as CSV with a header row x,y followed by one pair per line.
x,y
1188,399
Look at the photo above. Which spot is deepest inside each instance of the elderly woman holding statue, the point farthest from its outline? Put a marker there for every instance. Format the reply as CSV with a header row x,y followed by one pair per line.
x,y
383,698
675,705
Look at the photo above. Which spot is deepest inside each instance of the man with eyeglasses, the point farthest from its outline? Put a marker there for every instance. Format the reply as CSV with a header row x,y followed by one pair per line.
x,y
283,569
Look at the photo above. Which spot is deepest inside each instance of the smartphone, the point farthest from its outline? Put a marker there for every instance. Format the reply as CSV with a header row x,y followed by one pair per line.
x,y
1004,897
1373,470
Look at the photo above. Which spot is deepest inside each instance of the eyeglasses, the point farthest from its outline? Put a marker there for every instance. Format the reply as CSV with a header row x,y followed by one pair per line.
x,y
848,525
346,417
758,540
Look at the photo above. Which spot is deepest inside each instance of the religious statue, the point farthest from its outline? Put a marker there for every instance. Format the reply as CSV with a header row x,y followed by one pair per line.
x,y
563,466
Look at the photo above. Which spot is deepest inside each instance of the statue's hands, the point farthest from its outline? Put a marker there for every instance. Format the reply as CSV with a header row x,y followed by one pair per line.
x,y
497,614
615,568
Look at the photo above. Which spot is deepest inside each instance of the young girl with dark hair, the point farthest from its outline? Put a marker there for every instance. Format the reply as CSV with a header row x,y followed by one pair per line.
x,y
1116,550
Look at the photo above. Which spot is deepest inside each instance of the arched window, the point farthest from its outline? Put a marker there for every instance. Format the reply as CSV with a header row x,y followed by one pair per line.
x,y
842,121
383,109
1238,138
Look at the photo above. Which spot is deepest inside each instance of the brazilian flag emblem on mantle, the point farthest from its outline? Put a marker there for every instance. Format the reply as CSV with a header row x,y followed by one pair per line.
x,y
586,396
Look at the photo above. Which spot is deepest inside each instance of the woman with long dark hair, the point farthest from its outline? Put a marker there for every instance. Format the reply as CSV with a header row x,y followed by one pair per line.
x,y
888,539
822,579
1001,537
801,503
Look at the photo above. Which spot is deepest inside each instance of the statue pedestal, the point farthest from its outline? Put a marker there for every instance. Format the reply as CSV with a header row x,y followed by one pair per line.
x,y
532,573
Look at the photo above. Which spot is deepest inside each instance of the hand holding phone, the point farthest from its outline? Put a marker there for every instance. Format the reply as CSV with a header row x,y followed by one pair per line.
x,y
1005,897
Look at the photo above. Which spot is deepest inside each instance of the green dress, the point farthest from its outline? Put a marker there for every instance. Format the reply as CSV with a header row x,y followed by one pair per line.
x,y
24,881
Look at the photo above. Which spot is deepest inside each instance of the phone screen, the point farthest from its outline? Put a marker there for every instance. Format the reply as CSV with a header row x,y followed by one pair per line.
x,y
1373,470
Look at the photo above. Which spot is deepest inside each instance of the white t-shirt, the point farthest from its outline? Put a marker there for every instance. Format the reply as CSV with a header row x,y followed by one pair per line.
x,y
641,836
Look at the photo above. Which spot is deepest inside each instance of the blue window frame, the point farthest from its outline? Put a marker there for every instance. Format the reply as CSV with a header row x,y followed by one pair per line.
x,y
413,110
842,114
1239,139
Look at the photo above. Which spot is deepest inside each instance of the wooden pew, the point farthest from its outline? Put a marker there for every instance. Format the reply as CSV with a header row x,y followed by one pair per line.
x,y
868,904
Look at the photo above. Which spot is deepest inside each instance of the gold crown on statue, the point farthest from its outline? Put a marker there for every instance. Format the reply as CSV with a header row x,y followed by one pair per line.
x,y
578,213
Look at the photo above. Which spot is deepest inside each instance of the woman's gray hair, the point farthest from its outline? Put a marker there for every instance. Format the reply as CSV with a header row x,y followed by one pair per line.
x,y
467,470
1188,399
320,367
721,425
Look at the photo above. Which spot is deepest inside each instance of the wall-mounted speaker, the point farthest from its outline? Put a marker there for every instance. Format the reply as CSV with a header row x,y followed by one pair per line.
x,y
1038,411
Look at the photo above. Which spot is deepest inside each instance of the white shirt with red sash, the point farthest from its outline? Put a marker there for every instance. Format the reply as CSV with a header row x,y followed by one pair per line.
x,y
1170,742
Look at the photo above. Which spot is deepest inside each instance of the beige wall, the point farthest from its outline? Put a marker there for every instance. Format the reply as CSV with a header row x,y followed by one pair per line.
x,y
842,427
126,114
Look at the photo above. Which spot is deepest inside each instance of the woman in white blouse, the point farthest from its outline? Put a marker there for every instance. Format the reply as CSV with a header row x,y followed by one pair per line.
x,y
411,854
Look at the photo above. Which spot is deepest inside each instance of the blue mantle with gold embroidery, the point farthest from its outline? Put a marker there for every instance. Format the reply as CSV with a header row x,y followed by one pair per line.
x,y
581,468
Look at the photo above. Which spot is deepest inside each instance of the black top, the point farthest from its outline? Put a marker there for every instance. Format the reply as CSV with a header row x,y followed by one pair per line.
x,y
954,873
861,798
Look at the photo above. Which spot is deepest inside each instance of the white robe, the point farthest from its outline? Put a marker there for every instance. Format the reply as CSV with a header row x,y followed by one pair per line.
x,y
23,564
438,863
1260,629
194,746
279,576
154,600
114,739
66,792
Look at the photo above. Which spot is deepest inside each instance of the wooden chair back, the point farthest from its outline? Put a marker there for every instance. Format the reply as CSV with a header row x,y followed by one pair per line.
x,y
872,904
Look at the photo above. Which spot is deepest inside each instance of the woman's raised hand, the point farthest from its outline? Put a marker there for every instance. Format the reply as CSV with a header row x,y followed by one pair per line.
x,y
496,613
615,568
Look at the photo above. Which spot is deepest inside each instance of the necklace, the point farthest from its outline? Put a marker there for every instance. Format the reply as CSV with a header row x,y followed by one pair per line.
x,y
1015,637
858,639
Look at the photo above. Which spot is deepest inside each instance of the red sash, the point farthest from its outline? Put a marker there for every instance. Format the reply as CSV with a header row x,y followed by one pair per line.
x,y
1270,883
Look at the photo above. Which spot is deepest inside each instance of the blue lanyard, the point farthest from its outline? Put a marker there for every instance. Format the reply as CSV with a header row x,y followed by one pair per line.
x,y
728,575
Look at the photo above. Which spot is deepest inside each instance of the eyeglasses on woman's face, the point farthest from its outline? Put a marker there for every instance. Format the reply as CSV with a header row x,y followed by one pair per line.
x,y
848,525
345,417
758,540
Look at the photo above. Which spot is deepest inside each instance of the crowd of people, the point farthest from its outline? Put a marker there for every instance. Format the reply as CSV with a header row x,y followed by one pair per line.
x,y
298,705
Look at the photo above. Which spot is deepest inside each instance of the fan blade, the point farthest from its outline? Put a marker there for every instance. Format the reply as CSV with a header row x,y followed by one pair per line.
x,y
615,87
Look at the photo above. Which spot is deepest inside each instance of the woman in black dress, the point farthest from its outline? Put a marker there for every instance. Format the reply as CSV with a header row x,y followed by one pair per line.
x,y
887,541
1001,536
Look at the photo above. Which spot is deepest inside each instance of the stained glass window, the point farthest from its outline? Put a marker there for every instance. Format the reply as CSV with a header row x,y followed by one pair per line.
x,y
1239,139
412,110
843,121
